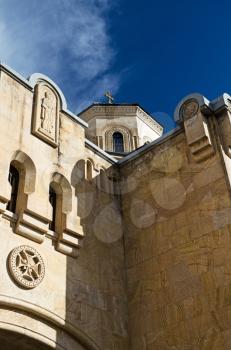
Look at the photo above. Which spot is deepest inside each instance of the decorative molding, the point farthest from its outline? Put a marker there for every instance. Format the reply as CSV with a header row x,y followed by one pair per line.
x,y
122,110
189,109
149,121
202,102
109,138
109,111
37,78
26,266
30,226
46,113
70,241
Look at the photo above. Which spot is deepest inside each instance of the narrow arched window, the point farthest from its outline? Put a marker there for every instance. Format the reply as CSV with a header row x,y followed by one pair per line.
x,y
53,203
13,179
118,142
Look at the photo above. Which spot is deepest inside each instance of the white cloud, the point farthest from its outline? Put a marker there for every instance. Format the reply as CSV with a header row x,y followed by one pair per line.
x,y
66,39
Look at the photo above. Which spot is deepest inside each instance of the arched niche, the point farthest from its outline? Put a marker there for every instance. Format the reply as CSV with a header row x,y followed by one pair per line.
x,y
48,102
38,78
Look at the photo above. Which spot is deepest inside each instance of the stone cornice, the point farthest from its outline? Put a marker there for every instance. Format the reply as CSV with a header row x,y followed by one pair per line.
x,y
108,111
111,111
16,76
145,117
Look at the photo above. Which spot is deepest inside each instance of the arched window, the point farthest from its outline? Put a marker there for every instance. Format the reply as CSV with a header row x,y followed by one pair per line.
x,y
52,200
118,142
14,182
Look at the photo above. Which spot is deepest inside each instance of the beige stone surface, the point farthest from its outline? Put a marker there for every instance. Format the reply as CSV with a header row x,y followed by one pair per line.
x,y
177,263
80,303
139,258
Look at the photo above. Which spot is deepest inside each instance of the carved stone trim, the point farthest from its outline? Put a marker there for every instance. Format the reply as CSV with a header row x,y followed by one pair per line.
x,y
149,121
114,111
26,266
46,316
30,226
109,138
46,113
189,109
70,241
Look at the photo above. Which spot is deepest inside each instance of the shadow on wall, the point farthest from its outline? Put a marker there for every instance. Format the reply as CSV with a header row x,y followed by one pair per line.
x,y
95,293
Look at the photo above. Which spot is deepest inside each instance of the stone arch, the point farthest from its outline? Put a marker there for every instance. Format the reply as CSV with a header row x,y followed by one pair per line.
x,y
25,164
126,137
13,337
63,188
21,317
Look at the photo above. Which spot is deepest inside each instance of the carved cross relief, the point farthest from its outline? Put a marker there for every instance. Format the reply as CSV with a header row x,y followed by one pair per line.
x,y
46,114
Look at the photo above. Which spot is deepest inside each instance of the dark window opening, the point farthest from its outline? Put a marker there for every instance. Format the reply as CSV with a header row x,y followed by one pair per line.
x,y
118,142
52,200
13,179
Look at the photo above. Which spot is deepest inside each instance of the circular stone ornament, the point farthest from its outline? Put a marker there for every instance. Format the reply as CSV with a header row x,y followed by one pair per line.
x,y
26,266
189,109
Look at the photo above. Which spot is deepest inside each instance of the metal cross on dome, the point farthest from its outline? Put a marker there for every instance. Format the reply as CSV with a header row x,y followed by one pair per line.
x,y
109,96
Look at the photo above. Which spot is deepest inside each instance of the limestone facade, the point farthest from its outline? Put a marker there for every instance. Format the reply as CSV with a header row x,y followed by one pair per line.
x,y
105,254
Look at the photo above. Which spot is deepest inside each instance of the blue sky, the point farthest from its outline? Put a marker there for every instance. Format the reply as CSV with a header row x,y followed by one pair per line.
x,y
150,52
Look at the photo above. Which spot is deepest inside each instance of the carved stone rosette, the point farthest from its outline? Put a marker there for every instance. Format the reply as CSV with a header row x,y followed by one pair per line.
x,y
46,114
189,109
26,266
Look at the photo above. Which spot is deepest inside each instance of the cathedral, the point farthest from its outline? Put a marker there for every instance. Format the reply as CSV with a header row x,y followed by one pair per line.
x,y
115,235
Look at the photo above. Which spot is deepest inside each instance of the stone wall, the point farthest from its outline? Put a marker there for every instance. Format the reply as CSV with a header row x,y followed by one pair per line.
x,y
139,258
81,301
176,209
